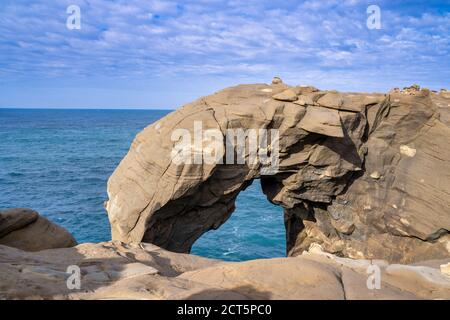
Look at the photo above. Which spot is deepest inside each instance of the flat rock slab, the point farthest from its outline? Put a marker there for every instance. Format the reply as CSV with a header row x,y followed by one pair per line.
x,y
322,121
354,102
286,95
331,100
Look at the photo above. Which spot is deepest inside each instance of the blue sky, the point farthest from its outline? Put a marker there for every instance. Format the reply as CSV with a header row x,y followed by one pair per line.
x,y
162,54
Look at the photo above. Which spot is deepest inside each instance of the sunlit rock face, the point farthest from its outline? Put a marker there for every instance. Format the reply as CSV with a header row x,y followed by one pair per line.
x,y
362,175
113,270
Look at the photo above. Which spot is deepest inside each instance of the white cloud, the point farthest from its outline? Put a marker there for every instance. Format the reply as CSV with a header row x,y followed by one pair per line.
x,y
254,38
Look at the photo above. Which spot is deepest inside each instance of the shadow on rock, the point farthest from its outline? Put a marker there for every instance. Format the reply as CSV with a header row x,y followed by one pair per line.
x,y
246,292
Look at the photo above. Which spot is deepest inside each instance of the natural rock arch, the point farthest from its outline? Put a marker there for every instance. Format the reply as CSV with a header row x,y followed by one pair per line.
x,y
324,138
255,230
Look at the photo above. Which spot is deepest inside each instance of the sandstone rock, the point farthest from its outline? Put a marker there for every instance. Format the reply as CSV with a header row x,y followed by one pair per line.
x,y
304,100
445,269
445,93
375,175
356,173
396,281
286,95
422,280
373,99
14,219
277,80
305,89
323,121
412,90
332,100
26,230
354,102
273,279
407,151
343,219
112,270
424,92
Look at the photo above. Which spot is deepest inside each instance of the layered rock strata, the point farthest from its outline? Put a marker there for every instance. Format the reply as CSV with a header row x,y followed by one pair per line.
x,y
364,176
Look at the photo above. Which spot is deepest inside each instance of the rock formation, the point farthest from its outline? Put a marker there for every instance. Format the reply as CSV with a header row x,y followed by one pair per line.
x,y
364,176
113,270
364,180
27,230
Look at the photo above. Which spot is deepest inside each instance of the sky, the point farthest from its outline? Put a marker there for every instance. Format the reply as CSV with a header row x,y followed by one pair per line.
x,y
163,54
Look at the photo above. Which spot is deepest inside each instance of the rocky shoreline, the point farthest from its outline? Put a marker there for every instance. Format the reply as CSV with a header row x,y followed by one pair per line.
x,y
364,180
114,270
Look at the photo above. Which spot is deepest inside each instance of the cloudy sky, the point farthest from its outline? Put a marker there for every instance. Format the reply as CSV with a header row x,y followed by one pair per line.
x,y
162,54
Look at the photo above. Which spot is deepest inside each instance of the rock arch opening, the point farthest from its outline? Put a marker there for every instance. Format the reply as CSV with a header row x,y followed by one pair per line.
x,y
255,230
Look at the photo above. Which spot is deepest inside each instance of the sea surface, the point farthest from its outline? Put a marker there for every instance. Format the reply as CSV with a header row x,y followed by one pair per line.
x,y
57,162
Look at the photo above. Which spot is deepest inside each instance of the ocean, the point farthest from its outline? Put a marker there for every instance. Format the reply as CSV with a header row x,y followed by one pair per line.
x,y
57,162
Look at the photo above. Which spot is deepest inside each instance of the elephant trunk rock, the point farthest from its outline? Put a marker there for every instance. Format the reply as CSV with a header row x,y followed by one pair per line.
x,y
361,175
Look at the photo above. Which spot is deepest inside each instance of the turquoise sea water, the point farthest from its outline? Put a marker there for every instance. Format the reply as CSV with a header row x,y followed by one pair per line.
x,y
58,161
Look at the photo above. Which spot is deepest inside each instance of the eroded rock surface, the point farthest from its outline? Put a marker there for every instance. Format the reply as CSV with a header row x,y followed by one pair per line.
x,y
365,176
27,230
113,270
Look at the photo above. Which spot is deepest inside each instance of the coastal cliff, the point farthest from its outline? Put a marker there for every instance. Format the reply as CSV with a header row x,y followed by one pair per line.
x,y
365,176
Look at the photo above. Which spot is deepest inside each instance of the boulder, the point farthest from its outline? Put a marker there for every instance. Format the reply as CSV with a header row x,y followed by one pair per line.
x,y
27,230
277,80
